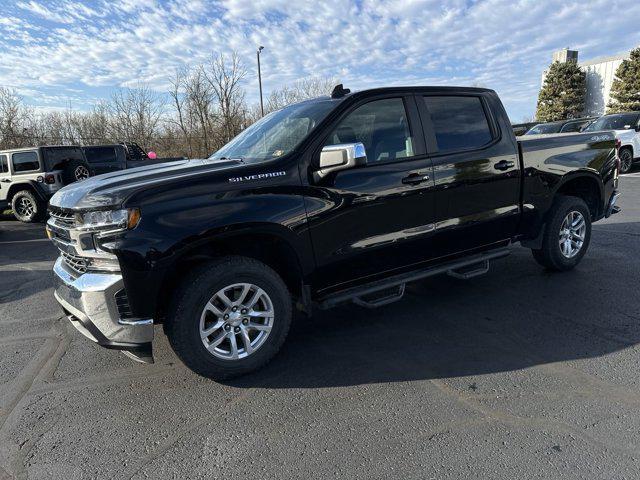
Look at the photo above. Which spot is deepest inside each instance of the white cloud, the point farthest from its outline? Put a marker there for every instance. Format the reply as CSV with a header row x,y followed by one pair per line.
x,y
501,44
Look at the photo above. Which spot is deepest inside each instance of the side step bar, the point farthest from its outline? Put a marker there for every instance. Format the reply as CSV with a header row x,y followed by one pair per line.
x,y
464,268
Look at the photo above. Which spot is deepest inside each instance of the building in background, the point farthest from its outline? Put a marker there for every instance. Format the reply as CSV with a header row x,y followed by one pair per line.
x,y
600,74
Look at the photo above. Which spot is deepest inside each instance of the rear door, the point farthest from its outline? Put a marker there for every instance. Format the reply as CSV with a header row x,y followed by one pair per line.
x,y
475,169
379,216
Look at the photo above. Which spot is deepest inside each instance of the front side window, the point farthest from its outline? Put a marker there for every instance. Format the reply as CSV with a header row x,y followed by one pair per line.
x,y
4,165
25,162
459,123
381,126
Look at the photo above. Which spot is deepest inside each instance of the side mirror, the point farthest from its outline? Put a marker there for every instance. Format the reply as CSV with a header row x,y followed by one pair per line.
x,y
341,157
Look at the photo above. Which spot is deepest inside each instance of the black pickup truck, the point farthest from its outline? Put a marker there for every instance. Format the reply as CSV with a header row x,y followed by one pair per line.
x,y
119,156
337,199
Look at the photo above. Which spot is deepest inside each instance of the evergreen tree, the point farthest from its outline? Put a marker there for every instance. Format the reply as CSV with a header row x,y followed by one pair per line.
x,y
625,91
563,93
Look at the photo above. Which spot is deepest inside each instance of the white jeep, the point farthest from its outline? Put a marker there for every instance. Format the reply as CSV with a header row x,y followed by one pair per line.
x,y
627,129
30,176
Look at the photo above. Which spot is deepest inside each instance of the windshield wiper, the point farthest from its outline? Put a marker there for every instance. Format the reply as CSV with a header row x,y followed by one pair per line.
x,y
237,159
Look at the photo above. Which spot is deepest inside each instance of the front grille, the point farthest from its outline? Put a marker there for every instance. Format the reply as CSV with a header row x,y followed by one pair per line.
x,y
63,219
122,302
75,263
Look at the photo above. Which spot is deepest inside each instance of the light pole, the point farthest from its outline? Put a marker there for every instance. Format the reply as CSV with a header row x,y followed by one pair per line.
x,y
260,48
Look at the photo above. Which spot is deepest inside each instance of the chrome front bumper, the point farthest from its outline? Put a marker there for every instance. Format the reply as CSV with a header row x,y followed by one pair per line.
x,y
90,304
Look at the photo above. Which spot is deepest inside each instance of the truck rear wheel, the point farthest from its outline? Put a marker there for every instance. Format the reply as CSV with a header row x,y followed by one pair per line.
x,y
229,318
26,207
567,235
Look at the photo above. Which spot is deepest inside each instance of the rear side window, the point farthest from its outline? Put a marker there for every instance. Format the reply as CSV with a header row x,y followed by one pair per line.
x,y
459,123
25,162
4,165
100,154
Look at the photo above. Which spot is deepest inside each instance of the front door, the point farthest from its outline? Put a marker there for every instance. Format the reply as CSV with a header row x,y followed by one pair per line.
x,y
379,216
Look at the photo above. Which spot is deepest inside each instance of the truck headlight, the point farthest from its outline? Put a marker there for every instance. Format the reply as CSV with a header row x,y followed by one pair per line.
x,y
110,220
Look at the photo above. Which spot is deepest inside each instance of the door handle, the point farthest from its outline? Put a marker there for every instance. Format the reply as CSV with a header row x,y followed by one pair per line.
x,y
6,180
504,165
415,179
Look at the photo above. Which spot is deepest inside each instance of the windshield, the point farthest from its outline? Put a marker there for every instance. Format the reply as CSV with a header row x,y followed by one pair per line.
x,y
544,128
277,133
613,122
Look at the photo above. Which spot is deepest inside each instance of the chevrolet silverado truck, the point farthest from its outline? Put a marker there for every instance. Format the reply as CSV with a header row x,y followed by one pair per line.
x,y
344,198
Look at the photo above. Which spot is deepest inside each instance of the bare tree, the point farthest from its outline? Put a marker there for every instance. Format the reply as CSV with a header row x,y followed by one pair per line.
x,y
300,90
135,114
225,78
13,118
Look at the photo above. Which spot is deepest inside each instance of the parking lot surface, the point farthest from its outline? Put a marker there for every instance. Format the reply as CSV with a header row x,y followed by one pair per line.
x,y
520,373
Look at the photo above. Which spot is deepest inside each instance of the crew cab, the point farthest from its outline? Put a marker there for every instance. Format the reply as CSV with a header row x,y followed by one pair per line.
x,y
626,127
30,176
337,199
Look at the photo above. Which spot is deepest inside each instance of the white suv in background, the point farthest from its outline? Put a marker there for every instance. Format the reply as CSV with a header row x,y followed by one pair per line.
x,y
627,129
30,176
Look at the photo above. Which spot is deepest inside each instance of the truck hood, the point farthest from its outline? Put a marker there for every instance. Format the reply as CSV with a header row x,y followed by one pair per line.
x,y
112,189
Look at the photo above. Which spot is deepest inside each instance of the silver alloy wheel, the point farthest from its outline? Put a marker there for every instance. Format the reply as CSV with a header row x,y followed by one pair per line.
x,y
81,172
572,233
25,207
626,160
236,321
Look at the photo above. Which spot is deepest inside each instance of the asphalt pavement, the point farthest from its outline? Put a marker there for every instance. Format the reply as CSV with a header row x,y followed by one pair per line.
x,y
520,373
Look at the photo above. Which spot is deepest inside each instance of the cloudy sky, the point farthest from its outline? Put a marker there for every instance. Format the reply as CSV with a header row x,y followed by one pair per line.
x,y
57,53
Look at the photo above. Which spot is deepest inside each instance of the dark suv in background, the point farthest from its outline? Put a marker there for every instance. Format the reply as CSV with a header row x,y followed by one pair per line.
x,y
565,126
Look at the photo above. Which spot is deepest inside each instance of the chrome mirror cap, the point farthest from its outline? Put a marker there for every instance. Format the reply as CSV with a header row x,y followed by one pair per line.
x,y
341,157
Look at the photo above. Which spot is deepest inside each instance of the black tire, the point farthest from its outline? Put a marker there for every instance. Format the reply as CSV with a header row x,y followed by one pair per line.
x,y
75,170
626,160
183,321
27,207
550,255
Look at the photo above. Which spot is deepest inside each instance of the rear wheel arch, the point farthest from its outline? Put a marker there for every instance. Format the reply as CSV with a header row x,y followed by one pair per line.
x,y
586,186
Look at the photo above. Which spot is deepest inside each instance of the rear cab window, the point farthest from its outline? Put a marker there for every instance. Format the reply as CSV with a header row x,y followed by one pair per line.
x,y
459,122
24,162
101,154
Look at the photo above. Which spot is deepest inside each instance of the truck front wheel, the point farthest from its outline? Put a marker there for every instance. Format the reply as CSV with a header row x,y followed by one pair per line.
x,y
229,318
567,234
